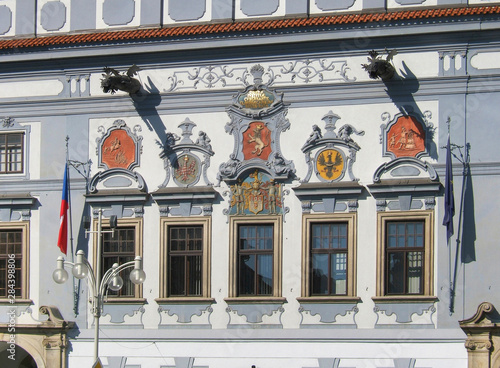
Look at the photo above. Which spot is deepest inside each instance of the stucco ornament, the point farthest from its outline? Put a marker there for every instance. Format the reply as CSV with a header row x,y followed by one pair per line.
x,y
406,139
113,80
258,117
334,152
119,151
186,160
378,67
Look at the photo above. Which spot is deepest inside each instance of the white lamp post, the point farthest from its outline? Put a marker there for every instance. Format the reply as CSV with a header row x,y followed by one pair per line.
x,y
111,279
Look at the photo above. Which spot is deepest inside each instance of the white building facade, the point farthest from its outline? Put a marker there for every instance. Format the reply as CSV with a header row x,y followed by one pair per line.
x,y
279,166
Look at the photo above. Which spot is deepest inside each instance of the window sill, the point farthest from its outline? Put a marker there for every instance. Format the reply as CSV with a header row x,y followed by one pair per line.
x,y
405,299
16,301
329,299
184,300
255,300
125,300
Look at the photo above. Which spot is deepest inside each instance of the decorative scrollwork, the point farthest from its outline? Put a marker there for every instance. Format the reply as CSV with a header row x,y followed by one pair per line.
x,y
7,122
313,70
478,345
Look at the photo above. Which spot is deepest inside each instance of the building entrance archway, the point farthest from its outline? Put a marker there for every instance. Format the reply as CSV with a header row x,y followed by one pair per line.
x,y
15,356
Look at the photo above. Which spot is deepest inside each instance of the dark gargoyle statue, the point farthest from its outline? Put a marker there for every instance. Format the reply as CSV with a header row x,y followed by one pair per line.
x,y
378,67
113,81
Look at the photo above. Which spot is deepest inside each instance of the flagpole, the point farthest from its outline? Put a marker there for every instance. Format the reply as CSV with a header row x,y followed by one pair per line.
x,y
465,172
448,243
76,284
70,223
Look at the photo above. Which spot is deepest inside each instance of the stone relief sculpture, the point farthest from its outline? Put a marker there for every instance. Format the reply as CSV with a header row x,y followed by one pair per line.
x,y
256,194
406,138
118,150
334,153
184,159
257,121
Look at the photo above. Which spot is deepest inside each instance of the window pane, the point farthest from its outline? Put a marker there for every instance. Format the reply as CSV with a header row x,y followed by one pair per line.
x,y
265,274
339,274
194,274
395,273
320,274
415,272
247,275
177,276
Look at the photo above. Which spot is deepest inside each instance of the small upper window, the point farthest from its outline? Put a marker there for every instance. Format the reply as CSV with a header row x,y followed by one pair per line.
x,y
11,153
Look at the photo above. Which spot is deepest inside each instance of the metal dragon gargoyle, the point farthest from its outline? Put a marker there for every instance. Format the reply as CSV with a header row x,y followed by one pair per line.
x,y
378,67
113,81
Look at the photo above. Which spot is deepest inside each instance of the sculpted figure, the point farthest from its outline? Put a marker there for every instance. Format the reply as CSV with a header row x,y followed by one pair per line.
x,y
315,135
204,141
113,81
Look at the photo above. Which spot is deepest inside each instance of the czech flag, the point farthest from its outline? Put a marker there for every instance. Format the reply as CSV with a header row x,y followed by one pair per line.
x,y
62,241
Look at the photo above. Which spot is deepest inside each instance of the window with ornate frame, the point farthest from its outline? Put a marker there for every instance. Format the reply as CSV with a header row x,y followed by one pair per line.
x,y
405,255
185,259
12,153
329,257
119,247
14,261
255,253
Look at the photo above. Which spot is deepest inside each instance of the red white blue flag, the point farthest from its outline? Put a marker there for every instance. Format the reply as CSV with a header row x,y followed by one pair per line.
x,y
62,241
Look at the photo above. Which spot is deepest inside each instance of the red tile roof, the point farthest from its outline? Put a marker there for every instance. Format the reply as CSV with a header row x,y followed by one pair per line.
x,y
207,29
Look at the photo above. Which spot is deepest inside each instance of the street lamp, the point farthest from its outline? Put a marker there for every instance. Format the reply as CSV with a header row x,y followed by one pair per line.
x,y
98,286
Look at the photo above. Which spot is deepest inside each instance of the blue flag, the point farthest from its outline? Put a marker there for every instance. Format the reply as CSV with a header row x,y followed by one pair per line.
x,y
449,197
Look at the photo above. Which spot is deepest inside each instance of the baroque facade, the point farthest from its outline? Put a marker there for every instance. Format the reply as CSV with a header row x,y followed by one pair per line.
x,y
279,165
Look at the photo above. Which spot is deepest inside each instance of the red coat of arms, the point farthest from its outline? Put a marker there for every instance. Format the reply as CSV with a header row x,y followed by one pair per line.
x,y
118,150
257,141
406,138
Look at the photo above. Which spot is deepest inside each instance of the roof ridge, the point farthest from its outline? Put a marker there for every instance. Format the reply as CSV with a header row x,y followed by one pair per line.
x,y
207,28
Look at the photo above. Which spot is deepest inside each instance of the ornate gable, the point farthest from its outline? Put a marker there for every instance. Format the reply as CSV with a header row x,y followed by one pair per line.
x,y
258,117
334,153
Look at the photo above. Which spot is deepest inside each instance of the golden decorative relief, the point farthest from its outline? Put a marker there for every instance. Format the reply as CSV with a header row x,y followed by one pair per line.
x,y
256,100
330,164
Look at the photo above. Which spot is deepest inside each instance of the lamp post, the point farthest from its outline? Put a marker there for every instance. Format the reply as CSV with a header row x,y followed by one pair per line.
x,y
98,286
